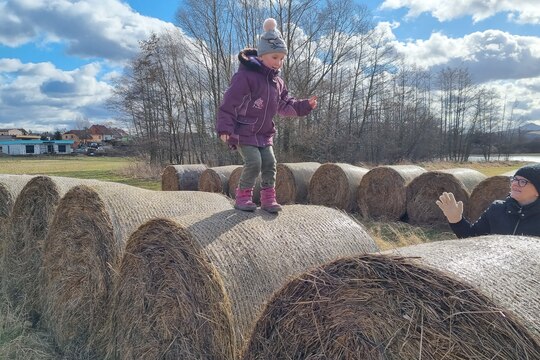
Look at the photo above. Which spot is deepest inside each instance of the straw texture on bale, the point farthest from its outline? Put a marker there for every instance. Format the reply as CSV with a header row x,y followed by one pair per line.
x,y
336,185
382,193
10,187
425,189
386,306
292,181
234,180
30,222
86,242
487,191
503,267
216,179
192,288
181,177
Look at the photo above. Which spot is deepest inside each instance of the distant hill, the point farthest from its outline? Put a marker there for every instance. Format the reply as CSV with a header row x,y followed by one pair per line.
x,y
530,130
531,126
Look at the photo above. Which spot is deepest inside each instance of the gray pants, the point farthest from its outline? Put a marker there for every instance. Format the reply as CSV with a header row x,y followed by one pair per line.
x,y
257,160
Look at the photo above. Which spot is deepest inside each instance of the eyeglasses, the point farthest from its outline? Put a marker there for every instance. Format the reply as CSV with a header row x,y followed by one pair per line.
x,y
521,182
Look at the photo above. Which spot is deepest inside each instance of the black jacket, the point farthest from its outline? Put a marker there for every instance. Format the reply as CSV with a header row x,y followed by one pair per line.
x,y
505,217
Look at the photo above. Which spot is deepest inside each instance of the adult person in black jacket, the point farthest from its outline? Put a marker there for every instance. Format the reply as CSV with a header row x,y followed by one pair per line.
x,y
518,214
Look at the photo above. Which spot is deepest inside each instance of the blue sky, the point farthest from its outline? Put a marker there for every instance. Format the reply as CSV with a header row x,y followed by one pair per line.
x,y
58,57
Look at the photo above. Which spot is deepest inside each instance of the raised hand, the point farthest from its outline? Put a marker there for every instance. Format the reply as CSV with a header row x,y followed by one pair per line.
x,y
452,210
313,102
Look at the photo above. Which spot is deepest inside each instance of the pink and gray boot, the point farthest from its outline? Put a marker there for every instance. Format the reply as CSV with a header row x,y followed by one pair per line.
x,y
268,200
244,200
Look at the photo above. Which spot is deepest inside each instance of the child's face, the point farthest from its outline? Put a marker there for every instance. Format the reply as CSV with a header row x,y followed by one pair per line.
x,y
273,60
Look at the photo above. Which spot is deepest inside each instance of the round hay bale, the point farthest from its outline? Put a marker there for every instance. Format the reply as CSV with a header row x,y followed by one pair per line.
x,y
10,187
234,180
85,244
192,288
181,177
503,267
382,193
30,222
216,179
487,191
425,189
336,185
391,307
292,181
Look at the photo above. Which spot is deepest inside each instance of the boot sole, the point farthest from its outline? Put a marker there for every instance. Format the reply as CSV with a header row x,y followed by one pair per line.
x,y
242,208
271,210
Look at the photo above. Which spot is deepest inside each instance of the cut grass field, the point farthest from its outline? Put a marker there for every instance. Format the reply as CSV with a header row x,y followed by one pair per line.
x,y
123,170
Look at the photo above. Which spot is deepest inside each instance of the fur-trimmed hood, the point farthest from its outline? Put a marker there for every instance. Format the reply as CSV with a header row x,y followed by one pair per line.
x,y
248,58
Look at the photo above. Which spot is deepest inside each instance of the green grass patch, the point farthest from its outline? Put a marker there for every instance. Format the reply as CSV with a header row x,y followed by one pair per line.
x,y
82,167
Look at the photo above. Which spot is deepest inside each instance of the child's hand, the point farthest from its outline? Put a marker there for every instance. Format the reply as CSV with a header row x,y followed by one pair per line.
x,y
224,137
313,102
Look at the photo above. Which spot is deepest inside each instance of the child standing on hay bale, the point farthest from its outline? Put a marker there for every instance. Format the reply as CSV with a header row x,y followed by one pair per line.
x,y
518,214
244,120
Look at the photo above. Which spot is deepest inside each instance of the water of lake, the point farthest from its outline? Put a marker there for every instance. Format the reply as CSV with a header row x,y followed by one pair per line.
x,y
515,157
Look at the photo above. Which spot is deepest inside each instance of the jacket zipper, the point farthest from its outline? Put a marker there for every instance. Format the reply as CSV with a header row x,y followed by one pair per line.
x,y
265,110
517,224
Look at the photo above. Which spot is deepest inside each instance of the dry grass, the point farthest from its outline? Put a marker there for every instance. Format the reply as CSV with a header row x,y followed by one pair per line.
x,y
140,170
20,340
391,235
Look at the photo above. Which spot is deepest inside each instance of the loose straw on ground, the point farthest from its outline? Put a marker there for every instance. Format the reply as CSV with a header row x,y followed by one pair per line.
x,y
425,189
336,185
487,191
234,180
443,303
86,242
382,193
292,181
192,288
216,179
181,177
30,222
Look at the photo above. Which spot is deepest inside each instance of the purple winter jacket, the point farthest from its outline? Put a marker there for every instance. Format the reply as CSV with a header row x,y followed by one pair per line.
x,y
255,95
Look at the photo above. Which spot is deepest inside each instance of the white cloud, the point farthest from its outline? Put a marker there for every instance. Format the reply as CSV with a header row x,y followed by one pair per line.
x,y
489,55
521,97
107,29
384,29
522,11
50,96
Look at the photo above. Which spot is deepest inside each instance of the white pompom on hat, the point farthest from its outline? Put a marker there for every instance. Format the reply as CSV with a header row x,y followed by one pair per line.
x,y
271,40
270,24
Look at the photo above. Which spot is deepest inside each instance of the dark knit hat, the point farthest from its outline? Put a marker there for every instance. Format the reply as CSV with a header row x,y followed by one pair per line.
x,y
531,173
271,41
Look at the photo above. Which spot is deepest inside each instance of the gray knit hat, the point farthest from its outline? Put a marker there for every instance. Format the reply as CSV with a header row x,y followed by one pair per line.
x,y
271,41
531,173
